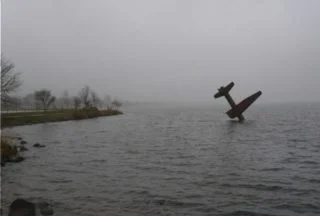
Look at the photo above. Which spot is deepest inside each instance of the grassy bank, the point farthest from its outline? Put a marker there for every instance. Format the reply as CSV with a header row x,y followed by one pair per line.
x,y
23,118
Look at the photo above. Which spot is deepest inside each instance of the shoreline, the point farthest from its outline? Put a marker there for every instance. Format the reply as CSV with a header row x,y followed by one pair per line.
x,y
23,118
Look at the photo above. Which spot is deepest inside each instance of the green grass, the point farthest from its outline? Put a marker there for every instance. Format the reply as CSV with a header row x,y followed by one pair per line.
x,y
24,118
12,114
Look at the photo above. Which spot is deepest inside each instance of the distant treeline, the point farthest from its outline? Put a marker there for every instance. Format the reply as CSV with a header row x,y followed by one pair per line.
x,y
43,98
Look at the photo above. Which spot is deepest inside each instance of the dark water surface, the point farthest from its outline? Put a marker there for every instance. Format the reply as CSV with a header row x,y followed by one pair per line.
x,y
174,160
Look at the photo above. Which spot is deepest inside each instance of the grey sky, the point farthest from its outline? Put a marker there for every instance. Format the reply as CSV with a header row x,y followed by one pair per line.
x,y
165,49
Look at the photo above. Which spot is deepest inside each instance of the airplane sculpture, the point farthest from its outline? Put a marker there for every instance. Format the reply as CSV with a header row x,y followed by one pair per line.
x,y
236,109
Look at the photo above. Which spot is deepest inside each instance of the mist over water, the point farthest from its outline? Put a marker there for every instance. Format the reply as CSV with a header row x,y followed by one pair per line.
x,y
164,50
174,160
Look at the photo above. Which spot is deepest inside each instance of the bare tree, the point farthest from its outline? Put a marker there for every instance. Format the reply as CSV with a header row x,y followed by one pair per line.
x,y
76,102
96,101
10,80
45,98
84,95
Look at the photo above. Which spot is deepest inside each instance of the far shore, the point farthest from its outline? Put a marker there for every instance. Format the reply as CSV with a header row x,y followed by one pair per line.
x,y
10,119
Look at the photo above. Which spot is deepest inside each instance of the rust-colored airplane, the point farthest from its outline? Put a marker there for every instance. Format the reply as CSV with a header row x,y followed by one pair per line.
x,y
236,109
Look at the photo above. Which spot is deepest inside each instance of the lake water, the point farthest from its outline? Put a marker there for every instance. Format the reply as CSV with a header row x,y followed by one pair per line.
x,y
174,160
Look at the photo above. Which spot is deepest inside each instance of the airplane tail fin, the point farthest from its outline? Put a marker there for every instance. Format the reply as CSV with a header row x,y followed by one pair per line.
x,y
222,91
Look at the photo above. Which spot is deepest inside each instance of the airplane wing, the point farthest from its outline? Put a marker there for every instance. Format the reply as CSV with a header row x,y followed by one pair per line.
x,y
243,105
224,90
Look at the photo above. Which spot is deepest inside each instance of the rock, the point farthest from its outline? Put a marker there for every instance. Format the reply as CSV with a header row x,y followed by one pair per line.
x,y
22,142
19,138
45,209
42,205
22,148
21,207
16,159
38,145
4,159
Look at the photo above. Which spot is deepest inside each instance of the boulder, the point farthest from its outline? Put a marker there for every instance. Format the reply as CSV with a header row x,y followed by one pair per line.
x,y
22,148
5,159
21,207
16,159
38,145
45,209
22,142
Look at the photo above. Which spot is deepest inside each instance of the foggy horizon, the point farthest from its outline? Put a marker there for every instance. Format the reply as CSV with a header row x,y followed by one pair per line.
x,y
161,51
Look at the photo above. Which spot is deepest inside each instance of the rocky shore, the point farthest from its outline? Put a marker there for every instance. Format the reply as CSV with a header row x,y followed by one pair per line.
x,y
22,207
12,148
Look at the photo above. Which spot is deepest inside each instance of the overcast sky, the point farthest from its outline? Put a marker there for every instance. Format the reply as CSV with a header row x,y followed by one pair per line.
x,y
159,50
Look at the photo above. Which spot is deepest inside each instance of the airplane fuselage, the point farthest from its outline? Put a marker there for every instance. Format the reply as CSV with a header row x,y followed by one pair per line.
x,y
233,105
236,109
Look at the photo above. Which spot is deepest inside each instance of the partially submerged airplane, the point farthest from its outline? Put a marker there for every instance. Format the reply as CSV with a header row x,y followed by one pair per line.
x,y
236,109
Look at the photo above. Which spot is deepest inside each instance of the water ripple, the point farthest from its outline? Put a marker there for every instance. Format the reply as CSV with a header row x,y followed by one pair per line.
x,y
174,160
